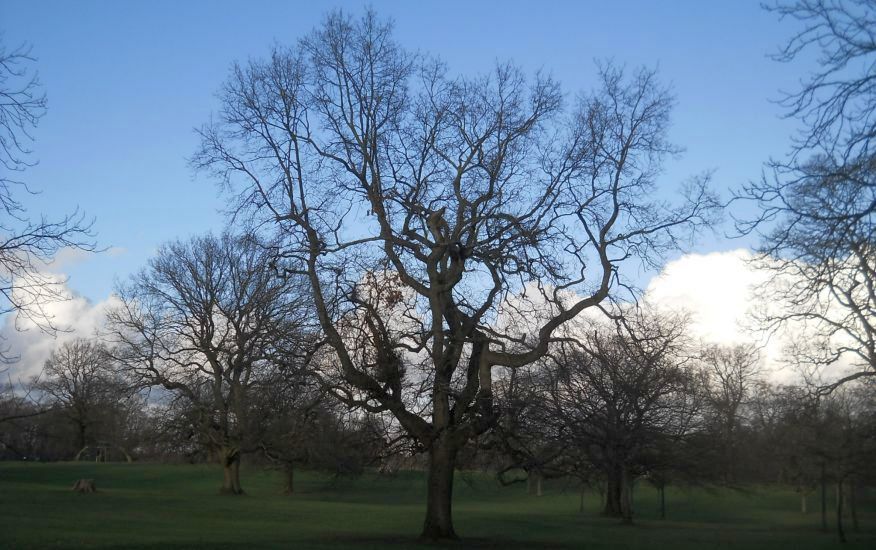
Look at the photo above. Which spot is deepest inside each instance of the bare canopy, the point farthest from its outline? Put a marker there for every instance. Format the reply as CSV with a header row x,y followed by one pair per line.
x,y
27,242
817,206
208,323
421,205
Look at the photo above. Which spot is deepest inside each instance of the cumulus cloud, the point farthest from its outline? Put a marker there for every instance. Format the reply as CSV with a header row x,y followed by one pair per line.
x,y
717,290
75,317
58,307
68,257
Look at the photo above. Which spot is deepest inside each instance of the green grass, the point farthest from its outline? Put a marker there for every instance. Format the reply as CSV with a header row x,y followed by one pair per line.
x,y
178,506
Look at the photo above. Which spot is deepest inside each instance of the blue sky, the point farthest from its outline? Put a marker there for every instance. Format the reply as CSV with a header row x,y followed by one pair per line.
x,y
128,81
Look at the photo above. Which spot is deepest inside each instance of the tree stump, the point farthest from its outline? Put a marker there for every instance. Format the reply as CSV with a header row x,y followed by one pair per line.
x,y
84,486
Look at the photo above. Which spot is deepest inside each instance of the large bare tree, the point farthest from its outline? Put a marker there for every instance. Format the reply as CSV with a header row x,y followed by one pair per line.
x,y
424,207
211,323
817,206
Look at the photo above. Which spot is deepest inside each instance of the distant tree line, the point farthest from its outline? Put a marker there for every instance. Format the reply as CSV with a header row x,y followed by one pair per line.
x,y
627,401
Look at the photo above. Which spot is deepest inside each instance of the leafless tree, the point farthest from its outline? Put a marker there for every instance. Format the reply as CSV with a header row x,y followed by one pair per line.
x,y
731,372
27,244
22,105
621,396
817,207
303,427
16,407
423,208
781,427
842,441
836,101
78,379
525,434
20,401
210,322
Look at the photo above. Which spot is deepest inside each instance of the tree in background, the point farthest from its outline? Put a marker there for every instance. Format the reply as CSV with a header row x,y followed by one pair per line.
x,y
525,436
78,379
782,437
304,428
731,374
623,399
471,196
211,322
845,429
17,413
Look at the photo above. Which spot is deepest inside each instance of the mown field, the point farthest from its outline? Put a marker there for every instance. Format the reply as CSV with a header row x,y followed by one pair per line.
x,y
177,506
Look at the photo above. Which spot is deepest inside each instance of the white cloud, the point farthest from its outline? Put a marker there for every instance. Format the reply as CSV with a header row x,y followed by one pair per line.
x,y
76,317
717,291
66,258
69,256
73,315
715,288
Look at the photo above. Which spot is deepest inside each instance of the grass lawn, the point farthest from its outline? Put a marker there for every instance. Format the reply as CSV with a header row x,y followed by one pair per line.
x,y
178,506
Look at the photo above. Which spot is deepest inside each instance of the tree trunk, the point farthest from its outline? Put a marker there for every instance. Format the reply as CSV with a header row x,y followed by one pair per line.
x,y
839,511
581,504
127,455
289,470
231,469
626,497
803,502
823,498
853,504
439,498
613,493
80,435
533,482
662,501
